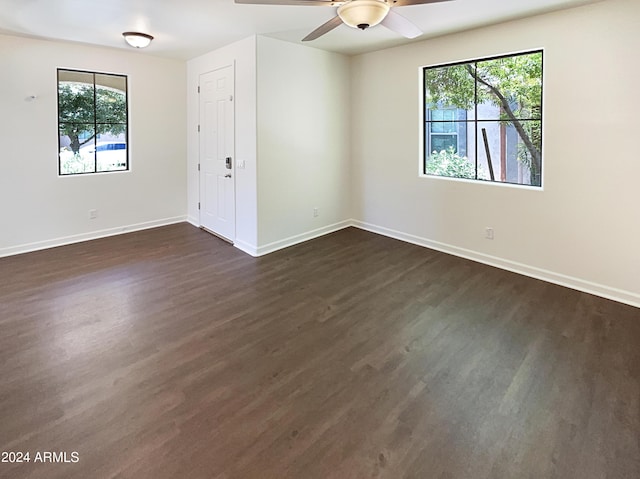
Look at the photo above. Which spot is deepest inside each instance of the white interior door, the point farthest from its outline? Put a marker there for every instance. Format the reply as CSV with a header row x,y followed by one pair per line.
x,y
217,165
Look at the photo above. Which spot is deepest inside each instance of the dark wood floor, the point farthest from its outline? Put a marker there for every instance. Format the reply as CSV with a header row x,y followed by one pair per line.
x,y
169,354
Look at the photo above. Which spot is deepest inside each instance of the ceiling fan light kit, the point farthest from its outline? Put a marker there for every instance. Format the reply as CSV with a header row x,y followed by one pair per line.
x,y
360,14
363,14
137,39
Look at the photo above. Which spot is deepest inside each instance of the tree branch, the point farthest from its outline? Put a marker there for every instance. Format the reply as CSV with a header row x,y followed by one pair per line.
x,y
533,151
87,140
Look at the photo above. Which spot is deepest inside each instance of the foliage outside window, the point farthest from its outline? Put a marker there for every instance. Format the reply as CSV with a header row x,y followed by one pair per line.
x,y
92,122
483,119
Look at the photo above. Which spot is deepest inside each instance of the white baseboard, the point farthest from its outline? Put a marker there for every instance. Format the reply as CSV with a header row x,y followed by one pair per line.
x,y
194,221
300,238
256,251
615,294
65,240
246,247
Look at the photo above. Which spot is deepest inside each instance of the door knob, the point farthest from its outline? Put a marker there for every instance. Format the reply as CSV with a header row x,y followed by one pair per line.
x,y
227,176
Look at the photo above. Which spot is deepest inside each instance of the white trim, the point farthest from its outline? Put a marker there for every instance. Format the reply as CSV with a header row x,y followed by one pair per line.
x,y
250,249
65,240
608,292
300,238
499,184
615,294
194,221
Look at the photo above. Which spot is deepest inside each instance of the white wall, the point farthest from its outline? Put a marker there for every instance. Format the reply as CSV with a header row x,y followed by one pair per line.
x,y
292,124
320,130
303,142
583,230
242,54
37,207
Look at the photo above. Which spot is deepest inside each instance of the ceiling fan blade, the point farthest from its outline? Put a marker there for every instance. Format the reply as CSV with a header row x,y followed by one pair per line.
x,y
396,22
324,28
313,3
403,3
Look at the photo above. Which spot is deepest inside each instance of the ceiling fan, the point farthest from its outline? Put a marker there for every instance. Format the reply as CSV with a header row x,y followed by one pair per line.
x,y
360,14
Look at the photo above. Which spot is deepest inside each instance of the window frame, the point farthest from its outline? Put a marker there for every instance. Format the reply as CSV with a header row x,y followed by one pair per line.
x,y
425,114
95,122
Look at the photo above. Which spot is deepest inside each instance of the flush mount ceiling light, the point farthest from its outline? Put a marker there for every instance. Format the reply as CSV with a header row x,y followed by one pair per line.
x,y
137,39
363,13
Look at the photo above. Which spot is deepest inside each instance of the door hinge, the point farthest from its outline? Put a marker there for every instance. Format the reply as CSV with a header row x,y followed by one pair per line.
x,y
198,88
198,128
198,205
198,166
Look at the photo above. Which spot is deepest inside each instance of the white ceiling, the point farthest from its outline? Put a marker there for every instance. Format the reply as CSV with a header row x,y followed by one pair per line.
x,y
184,29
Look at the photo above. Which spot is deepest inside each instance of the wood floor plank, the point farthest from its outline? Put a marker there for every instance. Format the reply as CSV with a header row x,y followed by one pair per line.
x,y
168,353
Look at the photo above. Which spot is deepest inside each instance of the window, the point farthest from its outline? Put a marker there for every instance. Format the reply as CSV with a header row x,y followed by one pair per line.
x,y
483,119
448,129
92,122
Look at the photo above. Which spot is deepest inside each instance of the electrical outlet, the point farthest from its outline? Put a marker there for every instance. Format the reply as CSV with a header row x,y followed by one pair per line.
x,y
316,213
93,214
488,233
